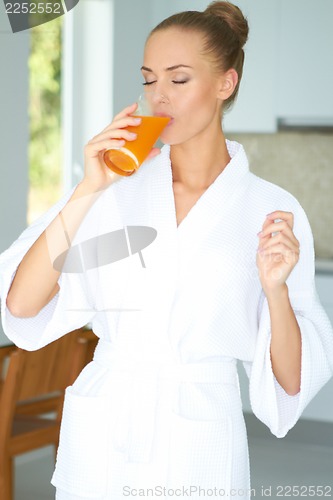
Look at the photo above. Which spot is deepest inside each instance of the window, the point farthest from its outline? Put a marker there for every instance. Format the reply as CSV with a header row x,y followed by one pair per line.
x,y
45,145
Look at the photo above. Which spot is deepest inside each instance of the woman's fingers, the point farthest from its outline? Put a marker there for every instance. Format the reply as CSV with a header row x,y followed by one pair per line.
x,y
92,150
125,113
114,134
127,121
270,228
288,217
277,221
281,229
287,239
280,249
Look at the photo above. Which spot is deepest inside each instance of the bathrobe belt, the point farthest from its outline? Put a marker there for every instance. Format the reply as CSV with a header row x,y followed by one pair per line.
x,y
138,393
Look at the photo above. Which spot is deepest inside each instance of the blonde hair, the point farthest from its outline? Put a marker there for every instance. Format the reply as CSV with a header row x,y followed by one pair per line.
x,y
225,31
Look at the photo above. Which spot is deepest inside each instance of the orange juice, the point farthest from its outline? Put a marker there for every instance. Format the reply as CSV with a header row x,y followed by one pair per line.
x,y
126,160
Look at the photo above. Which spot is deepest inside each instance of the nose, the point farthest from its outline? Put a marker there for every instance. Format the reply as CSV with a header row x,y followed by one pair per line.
x,y
159,97
164,98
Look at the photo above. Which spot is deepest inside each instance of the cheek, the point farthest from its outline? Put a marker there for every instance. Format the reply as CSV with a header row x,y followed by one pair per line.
x,y
197,115
190,105
192,112
198,105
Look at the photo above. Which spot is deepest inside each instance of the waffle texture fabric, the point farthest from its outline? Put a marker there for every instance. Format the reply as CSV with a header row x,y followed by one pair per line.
x,y
159,407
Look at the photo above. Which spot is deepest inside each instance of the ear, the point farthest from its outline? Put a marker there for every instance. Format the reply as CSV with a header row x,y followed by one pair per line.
x,y
227,84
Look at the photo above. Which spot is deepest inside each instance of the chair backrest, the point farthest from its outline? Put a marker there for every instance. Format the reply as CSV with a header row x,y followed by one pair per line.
x,y
34,374
49,369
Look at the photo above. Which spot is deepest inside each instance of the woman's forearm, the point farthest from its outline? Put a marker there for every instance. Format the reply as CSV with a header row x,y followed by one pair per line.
x,y
35,282
285,341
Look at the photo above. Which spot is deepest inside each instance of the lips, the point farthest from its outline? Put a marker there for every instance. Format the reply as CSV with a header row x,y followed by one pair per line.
x,y
166,115
163,114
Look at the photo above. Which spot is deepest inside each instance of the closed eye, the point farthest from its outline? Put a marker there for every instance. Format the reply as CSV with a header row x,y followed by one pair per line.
x,y
177,82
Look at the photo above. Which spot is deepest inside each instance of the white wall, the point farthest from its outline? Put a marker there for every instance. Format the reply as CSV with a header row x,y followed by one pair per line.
x,y
255,107
132,23
14,51
305,60
87,80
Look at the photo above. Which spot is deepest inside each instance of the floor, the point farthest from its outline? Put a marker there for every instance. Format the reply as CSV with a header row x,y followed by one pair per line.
x,y
276,466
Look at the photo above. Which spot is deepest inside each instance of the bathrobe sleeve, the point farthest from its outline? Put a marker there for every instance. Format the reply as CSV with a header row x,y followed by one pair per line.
x,y
58,317
269,402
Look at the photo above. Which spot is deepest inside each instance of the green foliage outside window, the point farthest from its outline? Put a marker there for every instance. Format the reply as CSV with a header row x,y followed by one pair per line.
x,y
45,148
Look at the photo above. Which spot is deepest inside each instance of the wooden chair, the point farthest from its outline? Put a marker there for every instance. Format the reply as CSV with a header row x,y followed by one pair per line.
x,y
92,340
34,385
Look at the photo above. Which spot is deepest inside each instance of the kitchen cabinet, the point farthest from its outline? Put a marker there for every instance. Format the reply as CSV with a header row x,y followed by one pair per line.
x,y
288,72
305,62
255,107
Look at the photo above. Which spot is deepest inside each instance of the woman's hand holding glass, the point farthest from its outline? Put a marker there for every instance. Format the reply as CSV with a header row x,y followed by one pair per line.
x,y
96,174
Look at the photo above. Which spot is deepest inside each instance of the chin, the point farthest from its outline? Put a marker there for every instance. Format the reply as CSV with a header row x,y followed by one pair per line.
x,y
169,136
171,141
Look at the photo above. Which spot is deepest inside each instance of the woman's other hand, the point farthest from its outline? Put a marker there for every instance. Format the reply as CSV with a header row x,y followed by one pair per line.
x,y
278,251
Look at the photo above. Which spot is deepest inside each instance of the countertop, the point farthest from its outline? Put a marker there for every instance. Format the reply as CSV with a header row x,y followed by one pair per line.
x,y
324,266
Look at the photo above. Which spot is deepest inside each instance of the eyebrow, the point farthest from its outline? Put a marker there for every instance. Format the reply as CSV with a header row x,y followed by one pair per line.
x,y
171,68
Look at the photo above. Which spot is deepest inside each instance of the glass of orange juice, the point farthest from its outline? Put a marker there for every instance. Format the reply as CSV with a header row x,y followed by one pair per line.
x,y
127,159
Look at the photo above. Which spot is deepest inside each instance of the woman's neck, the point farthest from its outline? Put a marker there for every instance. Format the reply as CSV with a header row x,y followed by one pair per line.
x,y
196,163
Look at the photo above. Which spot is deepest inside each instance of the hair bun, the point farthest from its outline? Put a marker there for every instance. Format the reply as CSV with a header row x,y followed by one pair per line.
x,y
231,15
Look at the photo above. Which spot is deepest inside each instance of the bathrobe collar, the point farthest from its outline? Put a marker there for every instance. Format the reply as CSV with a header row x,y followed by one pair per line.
x,y
212,202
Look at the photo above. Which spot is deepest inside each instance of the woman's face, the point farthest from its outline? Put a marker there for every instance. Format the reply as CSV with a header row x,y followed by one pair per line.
x,y
184,84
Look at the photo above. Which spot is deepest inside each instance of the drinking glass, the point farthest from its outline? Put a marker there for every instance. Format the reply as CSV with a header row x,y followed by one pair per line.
x,y
127,159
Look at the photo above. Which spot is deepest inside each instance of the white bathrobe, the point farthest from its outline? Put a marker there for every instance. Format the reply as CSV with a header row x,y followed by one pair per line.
x,y
159,407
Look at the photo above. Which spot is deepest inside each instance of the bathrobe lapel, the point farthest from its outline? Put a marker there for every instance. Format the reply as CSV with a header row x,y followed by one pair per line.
x,y
204,222
217,202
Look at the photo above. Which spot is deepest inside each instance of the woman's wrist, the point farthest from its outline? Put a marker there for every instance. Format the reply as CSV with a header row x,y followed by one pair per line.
x,y
278,294
87,187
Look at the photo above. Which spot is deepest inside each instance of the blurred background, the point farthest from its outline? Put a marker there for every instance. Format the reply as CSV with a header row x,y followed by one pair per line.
x,y
63,81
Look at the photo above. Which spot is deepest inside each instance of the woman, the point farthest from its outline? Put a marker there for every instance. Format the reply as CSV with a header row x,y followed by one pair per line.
x,y
229,276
